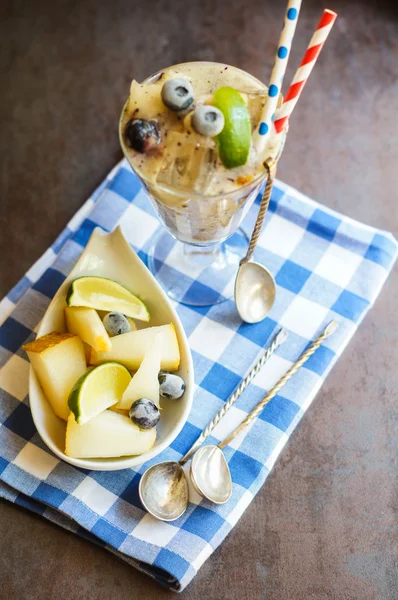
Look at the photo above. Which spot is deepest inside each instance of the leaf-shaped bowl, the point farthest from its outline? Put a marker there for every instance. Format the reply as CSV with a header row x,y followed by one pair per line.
x,y
110,255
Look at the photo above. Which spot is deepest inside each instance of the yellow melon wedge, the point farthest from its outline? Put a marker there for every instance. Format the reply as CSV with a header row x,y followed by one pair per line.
x,y
145,382
108,435
58,360
86,323
130,348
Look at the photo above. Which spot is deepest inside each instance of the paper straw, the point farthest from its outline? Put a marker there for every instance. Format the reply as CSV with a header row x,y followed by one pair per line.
x,y
278,73
303,72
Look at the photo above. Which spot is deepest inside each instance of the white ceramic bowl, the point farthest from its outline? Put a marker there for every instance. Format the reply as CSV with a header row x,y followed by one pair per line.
x,y
109,255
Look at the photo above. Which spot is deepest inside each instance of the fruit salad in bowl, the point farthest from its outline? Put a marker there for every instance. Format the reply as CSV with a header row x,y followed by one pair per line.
x,y
111,382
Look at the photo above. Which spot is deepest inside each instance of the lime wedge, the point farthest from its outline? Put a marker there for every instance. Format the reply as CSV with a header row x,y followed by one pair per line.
x,y
105,294
234,140
97,390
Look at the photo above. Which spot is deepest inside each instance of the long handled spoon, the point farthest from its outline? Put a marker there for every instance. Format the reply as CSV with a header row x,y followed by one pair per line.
x,y
210,473
163,488
254,285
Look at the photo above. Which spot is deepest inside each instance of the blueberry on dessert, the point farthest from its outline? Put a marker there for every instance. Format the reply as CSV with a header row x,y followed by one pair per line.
x,y
142,135
208,120
177,94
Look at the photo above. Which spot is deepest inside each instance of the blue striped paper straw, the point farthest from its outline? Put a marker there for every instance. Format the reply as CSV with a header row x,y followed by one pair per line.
x,y
277,75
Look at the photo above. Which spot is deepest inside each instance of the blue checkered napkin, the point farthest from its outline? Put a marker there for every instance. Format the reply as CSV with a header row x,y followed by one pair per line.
x,y
326,266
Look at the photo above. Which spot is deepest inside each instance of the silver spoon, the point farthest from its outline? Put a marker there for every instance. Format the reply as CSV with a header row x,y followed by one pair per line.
x,y
210,473
254,285
163,488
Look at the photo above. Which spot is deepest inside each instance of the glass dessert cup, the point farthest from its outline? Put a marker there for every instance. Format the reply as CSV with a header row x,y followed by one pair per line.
x,y
196,256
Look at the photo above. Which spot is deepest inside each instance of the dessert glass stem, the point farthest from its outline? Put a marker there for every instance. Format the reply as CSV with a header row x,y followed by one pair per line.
x,y
202,255
194,274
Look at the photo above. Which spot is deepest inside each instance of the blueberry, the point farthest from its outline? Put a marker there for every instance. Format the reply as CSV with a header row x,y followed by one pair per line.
x,y
142,135
144,413
208,120
177,94
115,323
171,386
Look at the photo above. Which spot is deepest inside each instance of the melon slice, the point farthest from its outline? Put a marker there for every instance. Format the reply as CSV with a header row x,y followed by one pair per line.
x,y
145,382
108,435
58,360
130,348
86,323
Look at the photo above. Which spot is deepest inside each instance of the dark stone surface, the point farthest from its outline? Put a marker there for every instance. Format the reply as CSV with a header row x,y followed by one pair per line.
x,y
325,525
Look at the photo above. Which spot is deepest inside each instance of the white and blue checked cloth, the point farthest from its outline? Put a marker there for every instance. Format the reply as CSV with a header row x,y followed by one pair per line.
x,y
326,267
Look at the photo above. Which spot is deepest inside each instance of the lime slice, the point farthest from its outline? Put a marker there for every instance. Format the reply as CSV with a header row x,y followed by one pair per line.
x,y
234,140
105,294
97,390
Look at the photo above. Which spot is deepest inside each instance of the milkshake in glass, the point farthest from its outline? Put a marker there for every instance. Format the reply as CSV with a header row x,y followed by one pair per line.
x,y
187,133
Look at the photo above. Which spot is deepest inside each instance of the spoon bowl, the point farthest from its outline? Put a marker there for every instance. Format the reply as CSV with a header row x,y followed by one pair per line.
x,y
255,292
210,474
163,490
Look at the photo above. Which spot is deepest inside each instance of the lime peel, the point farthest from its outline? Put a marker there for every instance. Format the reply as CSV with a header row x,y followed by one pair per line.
x,y
97,390
234,141
105,294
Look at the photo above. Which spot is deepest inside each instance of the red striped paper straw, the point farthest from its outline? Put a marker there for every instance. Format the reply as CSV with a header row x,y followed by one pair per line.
x,y
303,72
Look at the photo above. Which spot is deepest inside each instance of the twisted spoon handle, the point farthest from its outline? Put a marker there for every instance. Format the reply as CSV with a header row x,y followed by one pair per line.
x,y
277,341
271,170
331,328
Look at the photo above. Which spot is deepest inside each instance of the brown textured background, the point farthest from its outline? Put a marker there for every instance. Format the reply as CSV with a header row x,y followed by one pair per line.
x,y
325,525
